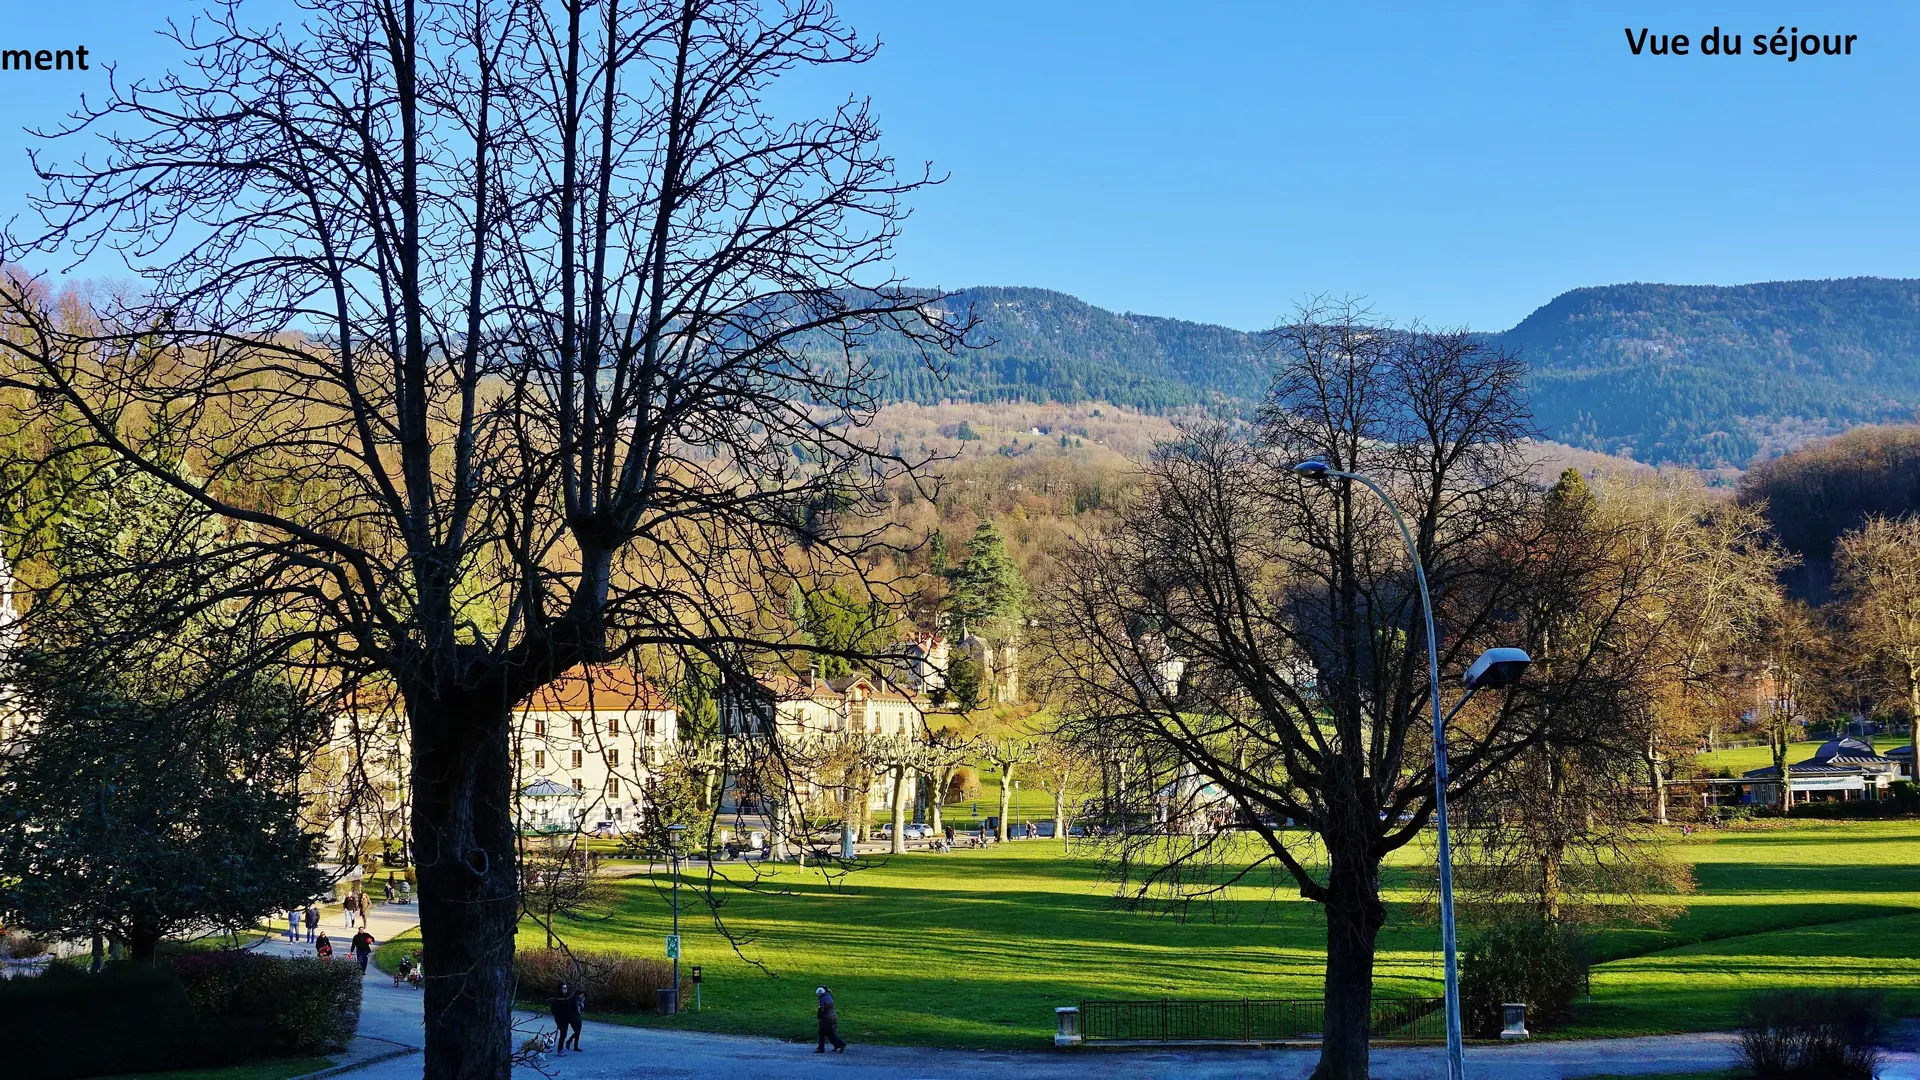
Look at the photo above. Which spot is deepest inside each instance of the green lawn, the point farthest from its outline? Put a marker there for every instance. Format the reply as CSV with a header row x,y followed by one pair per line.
x,y
1742,758
976,948
277,1069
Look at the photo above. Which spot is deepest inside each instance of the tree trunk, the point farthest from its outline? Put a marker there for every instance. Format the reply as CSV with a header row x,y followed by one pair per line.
x,y
899,845
463,840
1354,916
1060,818
937,799
142,945
1780,765
1913,717
1659,784
1006,796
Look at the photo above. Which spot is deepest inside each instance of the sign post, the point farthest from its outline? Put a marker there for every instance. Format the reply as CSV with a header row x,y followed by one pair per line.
x,y
696,988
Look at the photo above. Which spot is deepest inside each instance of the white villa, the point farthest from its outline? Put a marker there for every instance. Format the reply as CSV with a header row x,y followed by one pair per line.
x,y
585,747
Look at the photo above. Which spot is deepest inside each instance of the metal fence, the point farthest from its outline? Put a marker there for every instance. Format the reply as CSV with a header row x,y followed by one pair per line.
x,y
1248,1021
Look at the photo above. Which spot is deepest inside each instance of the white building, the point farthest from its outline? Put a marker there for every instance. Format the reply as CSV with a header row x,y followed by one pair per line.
x,y
584,746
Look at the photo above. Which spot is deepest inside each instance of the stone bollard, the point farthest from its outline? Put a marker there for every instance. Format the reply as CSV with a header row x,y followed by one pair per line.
x,y
1067,1026
1516,1018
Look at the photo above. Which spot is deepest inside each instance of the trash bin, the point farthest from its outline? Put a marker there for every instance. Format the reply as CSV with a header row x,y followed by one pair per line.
x,y
669,1000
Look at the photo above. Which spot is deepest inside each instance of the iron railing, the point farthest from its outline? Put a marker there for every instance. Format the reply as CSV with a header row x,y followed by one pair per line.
x,y
1250,1021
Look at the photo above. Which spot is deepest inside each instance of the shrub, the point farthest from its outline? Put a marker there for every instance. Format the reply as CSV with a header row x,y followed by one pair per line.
x,y
24,946
125,1019
1851,809
612,983
1811,1034
270,1005
964,785
1523,960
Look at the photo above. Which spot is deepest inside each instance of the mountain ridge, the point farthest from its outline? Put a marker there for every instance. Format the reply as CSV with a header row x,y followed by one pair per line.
x,y
1699,375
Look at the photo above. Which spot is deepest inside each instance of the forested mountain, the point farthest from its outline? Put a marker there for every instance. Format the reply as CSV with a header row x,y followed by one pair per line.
x,y
1044,346
1713,375
1694,374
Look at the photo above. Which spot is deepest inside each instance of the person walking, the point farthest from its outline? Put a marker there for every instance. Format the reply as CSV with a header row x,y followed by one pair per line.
x,y
829,1022
313,922
293,926
578,1014
362,949
564,1017
348,905
323,947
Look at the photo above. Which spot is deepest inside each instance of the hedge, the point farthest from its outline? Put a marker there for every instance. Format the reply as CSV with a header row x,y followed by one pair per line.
x,y
613,983
201,1010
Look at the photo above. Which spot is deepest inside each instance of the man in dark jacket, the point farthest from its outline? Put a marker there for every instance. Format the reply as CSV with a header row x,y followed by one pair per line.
x,y
829,1022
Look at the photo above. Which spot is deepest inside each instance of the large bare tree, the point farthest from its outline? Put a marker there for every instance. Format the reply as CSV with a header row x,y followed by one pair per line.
x,y
1304,694
1878,568
517,333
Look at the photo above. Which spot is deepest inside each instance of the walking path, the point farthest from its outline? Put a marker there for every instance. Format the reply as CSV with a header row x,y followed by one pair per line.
x,y
390,1018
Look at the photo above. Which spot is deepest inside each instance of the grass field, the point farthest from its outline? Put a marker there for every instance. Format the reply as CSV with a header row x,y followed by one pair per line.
x,y
277,1069
1740,759
976,948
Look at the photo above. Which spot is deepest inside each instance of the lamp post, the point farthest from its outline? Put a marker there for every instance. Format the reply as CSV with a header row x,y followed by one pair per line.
x,y
1495,667
674,833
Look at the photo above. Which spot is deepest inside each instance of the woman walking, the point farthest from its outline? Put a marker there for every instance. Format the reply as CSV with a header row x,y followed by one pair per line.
x,y
313,922
566,1018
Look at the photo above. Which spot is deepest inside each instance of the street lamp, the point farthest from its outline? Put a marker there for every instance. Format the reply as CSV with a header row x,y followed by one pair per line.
x,y
1494,668
674,833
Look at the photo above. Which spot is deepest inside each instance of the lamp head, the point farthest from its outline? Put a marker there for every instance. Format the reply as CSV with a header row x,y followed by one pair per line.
x,y
1497,668
1312,469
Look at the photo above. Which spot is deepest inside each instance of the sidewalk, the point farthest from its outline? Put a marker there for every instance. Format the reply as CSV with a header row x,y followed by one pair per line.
x,y
392,1017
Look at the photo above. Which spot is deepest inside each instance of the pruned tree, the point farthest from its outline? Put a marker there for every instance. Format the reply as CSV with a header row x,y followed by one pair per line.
x,y
520,335
1070,774
943,754
1007,752
1305,688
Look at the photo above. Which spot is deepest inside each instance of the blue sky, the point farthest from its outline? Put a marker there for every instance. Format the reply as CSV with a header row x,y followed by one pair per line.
x,y
1456,163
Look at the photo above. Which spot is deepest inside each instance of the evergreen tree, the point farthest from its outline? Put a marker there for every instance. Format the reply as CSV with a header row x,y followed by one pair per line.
x,y
988,595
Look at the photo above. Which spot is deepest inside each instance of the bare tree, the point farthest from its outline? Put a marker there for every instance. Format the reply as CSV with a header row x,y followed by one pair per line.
x,y
1066,771
519,335
1305,689
946,750
1878,568
1008,753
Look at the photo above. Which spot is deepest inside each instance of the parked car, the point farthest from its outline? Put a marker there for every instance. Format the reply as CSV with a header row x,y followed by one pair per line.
x,y
917,830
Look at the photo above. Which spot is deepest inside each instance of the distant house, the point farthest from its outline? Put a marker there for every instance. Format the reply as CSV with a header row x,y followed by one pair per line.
x,y
812,708
1842,769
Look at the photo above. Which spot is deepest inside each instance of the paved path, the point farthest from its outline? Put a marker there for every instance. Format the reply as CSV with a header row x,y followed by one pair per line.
x,y
614,1052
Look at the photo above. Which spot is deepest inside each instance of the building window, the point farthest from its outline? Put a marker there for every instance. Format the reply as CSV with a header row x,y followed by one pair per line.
x,y
613,787
613,725
577,787
613,759
650,727
576,762
579,729
540,728
393,726
539,759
